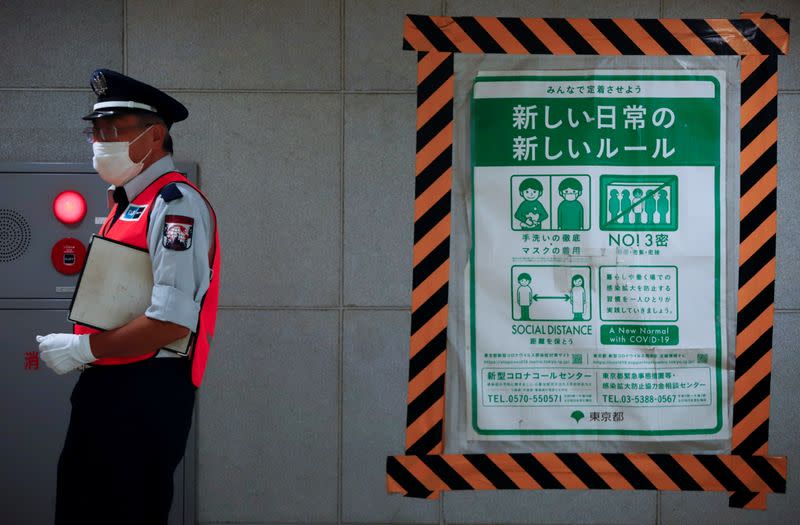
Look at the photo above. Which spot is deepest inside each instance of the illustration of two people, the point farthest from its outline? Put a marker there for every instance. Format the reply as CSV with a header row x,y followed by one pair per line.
x,y
531,214
577,296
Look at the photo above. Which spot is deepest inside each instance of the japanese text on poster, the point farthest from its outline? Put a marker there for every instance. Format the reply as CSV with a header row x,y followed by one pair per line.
x,y
597,271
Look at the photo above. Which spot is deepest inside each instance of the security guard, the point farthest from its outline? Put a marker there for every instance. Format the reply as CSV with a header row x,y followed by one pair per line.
x,y
132,405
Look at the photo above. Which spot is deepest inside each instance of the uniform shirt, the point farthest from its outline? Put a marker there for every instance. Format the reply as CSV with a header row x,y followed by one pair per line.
x,y
180,277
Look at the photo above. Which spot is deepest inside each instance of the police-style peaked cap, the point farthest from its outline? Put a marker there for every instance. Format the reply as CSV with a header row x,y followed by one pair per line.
x,y
118,94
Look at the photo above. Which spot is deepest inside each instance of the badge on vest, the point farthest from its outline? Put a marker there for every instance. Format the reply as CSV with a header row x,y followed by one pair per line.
x,y
178,232
133,213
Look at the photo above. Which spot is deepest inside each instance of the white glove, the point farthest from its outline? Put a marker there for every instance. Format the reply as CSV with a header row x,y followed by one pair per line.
x,y
65,352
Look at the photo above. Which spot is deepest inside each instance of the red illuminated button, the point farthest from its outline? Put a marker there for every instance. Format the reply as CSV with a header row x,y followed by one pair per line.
x,y
68,256
69,207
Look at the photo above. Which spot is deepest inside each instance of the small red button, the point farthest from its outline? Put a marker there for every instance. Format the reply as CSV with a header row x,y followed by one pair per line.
x,y
69,207
68,256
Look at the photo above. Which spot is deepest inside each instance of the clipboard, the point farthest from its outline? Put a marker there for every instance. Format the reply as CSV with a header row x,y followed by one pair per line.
x,y
115,287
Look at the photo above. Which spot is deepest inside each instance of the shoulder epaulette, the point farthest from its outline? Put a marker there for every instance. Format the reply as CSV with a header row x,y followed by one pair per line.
x,y
170,192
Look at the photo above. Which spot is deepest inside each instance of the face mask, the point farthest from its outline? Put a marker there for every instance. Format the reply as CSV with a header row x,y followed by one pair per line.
x,y
113,162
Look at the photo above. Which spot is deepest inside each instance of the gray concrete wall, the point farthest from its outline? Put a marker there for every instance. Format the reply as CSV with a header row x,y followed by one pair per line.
x,y
302,123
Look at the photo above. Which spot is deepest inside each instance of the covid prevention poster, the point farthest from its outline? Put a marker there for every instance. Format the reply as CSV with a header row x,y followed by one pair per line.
x,y
596,279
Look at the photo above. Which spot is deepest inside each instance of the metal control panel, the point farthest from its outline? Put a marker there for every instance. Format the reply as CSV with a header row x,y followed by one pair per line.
x,y
48,213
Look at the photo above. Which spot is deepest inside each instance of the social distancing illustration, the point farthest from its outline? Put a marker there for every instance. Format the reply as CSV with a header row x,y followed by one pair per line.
x,y
550,202
551,293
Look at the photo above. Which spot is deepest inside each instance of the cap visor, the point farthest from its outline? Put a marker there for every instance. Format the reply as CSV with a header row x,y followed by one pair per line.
x,y
102,113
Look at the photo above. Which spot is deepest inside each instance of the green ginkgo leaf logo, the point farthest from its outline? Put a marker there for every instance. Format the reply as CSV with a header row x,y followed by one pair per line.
x,y
577,416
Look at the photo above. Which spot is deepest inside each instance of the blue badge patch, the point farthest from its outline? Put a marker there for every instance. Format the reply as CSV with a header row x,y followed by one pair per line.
x,y
133,212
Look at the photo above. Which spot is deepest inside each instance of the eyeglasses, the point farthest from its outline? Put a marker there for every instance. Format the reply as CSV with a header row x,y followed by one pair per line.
x,y
108,133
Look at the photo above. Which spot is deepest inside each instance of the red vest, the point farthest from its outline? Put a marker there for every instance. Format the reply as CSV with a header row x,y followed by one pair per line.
x,y
134,233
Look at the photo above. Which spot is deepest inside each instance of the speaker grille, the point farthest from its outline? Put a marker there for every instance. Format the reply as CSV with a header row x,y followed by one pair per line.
x,y
15,235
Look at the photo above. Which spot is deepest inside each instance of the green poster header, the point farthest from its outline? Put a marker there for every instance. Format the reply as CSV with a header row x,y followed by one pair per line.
x,y
565,124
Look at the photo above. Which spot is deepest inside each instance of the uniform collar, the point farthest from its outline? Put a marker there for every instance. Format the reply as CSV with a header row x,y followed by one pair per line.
x,y
136,185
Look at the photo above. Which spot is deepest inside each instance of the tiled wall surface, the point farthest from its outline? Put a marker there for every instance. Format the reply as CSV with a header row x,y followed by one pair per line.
x,y
302,123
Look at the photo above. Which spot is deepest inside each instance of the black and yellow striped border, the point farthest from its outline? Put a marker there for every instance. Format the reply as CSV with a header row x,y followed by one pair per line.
x,y
753,34
748,473
426,475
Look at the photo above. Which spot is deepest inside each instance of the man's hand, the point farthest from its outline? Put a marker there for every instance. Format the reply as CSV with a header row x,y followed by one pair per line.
x,y
65,352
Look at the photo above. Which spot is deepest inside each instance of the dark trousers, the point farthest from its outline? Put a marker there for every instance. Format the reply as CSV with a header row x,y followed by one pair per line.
x,y
127,433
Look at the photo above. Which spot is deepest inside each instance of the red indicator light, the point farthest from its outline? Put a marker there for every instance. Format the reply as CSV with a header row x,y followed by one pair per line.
x,y
69,207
